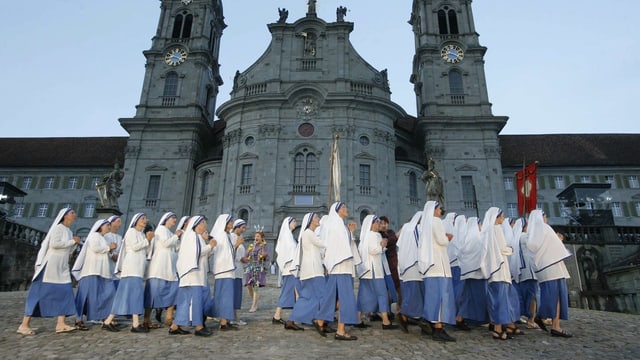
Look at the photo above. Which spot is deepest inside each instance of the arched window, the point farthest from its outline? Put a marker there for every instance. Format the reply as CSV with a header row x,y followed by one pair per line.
x,y
171,84
243,214
363,214
304,172
455,82
447,21
182,26
413,185
204,186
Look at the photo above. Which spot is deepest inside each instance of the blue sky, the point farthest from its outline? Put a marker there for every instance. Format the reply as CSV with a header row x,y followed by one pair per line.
x,y
73,67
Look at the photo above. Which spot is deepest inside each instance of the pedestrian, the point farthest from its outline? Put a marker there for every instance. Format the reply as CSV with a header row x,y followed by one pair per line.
x,y
223,271
471,257
239,227
411,282
113,237
51,291
285,250
257,258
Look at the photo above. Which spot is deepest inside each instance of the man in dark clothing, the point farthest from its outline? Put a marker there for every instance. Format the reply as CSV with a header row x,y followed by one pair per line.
x,y
392,254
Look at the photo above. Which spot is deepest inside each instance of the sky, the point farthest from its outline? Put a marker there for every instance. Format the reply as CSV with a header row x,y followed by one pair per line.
x,y
71,68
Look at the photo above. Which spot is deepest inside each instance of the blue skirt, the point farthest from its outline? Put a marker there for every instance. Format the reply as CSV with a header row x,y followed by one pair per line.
x,y
190,306
160,294
95,297
439,303
528,292
339,287
49,299
222,307
373,296
391,289
237,293
412,298
457,284
129,297
287,294
552,292
473,300
309,296
504,306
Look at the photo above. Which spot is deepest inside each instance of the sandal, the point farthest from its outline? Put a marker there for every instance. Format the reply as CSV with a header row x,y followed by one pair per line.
x,y
500,336
319,328
25,331
65,329
81,326
540,323
346,337
514,331
151,326
561,333
532,325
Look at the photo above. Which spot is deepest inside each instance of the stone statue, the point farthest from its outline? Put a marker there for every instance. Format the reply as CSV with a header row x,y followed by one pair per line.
x,y
433,183
284,13
235,79
341,12
109,189
311,8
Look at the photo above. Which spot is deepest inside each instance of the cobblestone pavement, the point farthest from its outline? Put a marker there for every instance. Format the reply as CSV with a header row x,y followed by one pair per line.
x,y
598,335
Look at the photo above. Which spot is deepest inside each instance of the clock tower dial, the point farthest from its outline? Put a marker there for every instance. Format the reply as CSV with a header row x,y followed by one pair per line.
x,y
452,53
175,57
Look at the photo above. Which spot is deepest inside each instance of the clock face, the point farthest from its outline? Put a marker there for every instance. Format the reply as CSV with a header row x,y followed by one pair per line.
x,y
175,57
452,53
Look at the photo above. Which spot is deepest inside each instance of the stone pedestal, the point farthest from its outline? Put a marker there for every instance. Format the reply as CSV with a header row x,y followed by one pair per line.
x,y
105,213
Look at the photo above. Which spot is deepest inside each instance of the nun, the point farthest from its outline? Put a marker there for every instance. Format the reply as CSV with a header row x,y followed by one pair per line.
x,y
192,267
372,290
433,262
91,269
285,250
51,291
239,227
525,279
129,298
459,229
112,236
549,254
223,271
341,258
411,285
307,266
161,288
472,304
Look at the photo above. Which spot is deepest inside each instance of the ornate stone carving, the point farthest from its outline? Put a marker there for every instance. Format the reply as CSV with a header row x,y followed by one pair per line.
x,y
268,130
132,151
232,137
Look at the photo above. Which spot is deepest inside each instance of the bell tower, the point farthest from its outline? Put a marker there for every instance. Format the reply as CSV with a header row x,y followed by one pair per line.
x,y
175,115
453,108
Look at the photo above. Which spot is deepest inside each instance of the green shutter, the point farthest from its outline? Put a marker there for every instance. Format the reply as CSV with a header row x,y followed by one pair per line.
x,y
56,183
626,182
634,209
19,180
577,179
65,182
556,209
25,212
567,181
618,180
541,182
39,184
545,207
625,209
552,182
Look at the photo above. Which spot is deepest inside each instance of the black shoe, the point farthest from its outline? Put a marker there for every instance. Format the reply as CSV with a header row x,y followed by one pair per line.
x,y
404,325
375,317
362,325
461,325
441,335
319,329
277,321
227,327
328,329
426,328
389,327
392,316
139,329
347,337
540,323
109,327
159,315
81,326
561,333
178,331
290,325
202,332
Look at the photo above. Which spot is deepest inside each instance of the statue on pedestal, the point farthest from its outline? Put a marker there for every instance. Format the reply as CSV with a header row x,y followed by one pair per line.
x,y
433,183
109,189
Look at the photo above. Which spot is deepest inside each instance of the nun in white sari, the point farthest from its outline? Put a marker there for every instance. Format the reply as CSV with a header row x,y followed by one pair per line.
x,y
51,292
192,267
433,262
285,249
223,271
473,299
91,269
129,299
549,254
411,284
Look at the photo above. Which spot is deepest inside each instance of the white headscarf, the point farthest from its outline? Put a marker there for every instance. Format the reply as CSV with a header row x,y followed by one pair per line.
x,y
181,222
94,232
472,248
515,260
408,244
544,243
123,248
425,244
219,233
363,246
493,258
297,257
44,246
190,248
286,246
459,230
336,237
161,231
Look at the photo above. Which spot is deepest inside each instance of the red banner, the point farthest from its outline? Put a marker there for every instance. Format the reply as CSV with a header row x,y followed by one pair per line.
x,y
526,185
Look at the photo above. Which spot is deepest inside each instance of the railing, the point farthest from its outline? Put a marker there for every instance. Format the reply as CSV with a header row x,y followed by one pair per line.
x,y
308,64
414,200
151,203
611,300
169,100
203,199
255,89
303,189
457,99
22,233
445,37
364,89
365,189
244,189
601,235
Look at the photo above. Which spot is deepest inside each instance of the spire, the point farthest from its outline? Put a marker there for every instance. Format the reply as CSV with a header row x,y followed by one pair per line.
x,y
311,8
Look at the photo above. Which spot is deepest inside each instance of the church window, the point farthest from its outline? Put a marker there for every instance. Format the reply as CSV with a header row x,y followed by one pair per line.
x,y
585,179
413,188
43,210
468,192
363,214
204,186
49,182
365,179
447,21
171,84
18,210
182,26
508,183
637,206
559,182
73,183
512,210
153,188
243,214
89,210
247,174
455,82
609,179
304,172
364,140
26,182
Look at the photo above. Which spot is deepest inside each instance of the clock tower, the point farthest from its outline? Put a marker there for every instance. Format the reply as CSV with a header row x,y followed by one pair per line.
x,y
174,118
453,108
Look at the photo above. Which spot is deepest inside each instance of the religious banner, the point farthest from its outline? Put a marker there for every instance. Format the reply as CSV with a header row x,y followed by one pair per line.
x,y
526,184
336,177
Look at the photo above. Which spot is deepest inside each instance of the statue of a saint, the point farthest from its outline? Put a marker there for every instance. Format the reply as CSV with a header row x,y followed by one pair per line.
x,y
341,12
311,8
109,189
284,13
433,183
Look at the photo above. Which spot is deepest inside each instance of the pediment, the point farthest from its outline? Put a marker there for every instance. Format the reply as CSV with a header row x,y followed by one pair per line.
x,y
466,167
248,156
365,156
155,167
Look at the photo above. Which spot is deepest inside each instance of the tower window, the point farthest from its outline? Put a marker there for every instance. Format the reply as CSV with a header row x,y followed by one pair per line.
x,y
447,21
304,169
455,83
153,190
468,192
182,26
365,179
171,84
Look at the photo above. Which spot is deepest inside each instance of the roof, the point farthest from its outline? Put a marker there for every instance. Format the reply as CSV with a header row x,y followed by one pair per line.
x,y
49,152
570,149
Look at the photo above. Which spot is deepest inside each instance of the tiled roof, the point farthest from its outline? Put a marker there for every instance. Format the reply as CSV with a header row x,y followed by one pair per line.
x,y
571,149
47,152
